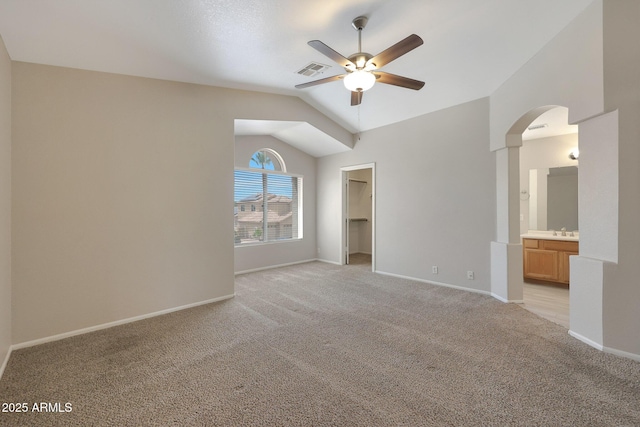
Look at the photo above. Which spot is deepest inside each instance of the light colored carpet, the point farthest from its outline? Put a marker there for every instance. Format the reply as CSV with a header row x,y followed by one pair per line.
x,y
318,344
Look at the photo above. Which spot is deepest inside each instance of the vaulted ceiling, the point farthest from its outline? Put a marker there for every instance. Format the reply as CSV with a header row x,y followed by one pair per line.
x,y
470,46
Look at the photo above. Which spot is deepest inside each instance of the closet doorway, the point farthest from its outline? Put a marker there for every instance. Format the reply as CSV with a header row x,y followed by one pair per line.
x,y
358,218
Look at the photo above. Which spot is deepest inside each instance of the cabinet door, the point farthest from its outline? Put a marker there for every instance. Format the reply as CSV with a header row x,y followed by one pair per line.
x,y
564,266
541,264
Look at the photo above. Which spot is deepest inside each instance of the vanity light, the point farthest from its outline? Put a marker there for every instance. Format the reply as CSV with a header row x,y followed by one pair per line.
x,y
574,154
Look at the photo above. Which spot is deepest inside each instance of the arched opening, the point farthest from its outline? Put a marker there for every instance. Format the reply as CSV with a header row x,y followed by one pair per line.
x,y
547,164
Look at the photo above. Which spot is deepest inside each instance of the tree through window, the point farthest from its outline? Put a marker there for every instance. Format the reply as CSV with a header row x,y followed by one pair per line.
x,y
267,200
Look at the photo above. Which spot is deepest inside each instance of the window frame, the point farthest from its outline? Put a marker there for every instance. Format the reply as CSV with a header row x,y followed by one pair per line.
x,y
300,204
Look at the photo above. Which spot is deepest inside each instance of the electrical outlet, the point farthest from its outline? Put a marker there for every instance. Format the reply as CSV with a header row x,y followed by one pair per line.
x,y
470,275
434,269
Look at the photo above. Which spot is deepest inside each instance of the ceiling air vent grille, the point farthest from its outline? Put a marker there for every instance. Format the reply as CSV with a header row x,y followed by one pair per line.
x,y
313,69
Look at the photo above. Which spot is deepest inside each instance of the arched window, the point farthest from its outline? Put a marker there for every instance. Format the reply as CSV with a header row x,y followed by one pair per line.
x,y
268,202
268,159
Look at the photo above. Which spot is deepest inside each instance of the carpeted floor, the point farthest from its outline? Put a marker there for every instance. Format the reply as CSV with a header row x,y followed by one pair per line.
x,y
319,344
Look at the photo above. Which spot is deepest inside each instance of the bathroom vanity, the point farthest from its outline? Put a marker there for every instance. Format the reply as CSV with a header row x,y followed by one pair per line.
x,y
546,256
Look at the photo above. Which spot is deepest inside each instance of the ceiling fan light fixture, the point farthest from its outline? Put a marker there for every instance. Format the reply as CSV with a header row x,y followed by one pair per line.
x,y
359,81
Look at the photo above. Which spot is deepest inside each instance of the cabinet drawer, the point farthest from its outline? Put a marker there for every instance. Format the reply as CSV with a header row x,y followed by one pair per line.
x,y
530,243
559,245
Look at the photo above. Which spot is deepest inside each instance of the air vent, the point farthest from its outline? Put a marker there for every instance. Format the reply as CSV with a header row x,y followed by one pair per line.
x,y
534,127
313,69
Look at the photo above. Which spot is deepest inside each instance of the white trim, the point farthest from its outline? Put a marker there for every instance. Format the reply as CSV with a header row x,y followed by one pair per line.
x,y
446,285
268,242
5,361
116,323
269,267
268,171
343,233
499,298
326,261
586,340
621,353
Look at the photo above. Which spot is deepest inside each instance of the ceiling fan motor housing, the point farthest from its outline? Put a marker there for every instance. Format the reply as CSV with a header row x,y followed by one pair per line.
x,y
359,23
360,59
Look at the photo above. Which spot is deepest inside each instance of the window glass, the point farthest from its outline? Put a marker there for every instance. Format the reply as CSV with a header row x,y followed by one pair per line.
x,y
268,206
265,159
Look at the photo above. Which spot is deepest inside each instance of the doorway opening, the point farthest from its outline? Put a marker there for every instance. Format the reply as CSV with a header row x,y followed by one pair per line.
x,y
548,164
358,215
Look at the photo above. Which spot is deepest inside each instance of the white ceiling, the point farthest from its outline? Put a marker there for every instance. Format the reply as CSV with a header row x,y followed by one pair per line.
x,y
300,135
470,46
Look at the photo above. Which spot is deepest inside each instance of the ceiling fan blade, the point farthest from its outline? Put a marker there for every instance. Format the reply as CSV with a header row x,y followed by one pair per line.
x,y
321,81
327,51
356,98
392,79
395,51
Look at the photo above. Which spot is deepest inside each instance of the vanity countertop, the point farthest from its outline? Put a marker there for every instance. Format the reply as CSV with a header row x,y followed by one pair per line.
x,y
548,235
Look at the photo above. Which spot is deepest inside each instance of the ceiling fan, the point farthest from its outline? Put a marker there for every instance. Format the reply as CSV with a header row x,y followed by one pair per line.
x,y
362,68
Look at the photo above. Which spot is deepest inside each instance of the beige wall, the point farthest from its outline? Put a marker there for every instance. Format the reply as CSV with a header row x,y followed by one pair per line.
x,y
5,203
123,194
621,297
435,196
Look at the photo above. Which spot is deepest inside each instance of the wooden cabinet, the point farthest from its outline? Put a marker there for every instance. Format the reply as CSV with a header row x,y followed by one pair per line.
x,y
548,260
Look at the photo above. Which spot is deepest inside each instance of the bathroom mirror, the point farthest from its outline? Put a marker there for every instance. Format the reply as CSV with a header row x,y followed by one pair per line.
x,y
553,198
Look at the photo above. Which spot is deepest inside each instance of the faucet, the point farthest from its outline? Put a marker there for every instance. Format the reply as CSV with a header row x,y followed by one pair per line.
x,y
564,231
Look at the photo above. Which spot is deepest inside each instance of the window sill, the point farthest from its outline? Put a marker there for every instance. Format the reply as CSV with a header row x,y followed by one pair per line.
x,y
273,242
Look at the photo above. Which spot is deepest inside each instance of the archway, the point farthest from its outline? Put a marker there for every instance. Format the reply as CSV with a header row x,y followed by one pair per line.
x,y
506,251
548,183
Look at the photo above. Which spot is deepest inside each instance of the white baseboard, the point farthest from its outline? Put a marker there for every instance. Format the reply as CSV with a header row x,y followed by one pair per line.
x,y
446,285
112,324
326,261
499,298
5,362
586,340
269,267
621,353
609,350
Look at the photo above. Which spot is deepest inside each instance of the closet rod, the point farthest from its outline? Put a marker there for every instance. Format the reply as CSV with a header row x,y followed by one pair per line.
x,y
357,180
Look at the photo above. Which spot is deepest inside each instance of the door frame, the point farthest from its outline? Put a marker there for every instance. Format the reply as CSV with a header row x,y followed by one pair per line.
x,y
344,172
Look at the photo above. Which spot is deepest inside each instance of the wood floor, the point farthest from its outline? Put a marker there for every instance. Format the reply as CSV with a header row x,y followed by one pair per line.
x,y
548,301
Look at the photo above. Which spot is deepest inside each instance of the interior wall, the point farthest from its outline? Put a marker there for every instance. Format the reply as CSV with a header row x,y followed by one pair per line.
x,y
5,204
542,153
255,257
567,72
123,194
435,196
622,94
